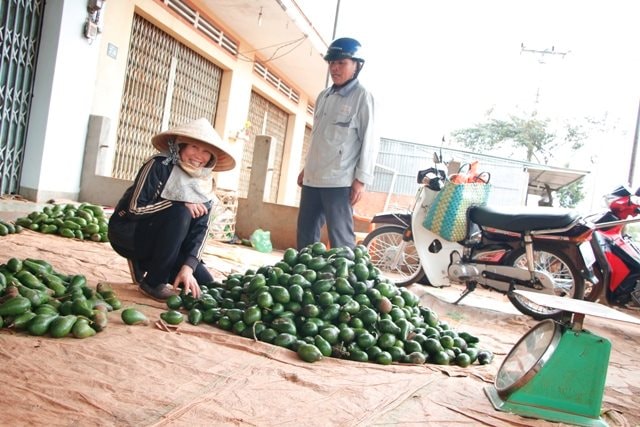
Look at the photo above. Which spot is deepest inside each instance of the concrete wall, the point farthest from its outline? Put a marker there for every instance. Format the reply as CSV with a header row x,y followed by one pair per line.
x,y
97,188
280,220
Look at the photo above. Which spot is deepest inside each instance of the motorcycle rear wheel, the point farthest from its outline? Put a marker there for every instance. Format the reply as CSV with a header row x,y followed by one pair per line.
x,y
397,260
567,279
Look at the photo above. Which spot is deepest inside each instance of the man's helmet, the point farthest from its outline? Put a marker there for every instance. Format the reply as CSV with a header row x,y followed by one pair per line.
x,y
344,48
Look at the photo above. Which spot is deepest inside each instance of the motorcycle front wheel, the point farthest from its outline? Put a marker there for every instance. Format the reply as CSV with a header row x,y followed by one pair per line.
x,y
566,279
397,259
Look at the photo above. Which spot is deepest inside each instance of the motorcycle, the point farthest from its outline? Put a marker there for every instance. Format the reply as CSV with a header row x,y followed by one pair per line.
x,y
544,250
617,254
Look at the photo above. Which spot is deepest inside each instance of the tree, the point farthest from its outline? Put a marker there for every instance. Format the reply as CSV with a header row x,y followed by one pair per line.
x,y
528,138
571,195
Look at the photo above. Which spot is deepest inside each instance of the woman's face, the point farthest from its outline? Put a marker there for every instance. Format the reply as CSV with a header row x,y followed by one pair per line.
x,y
193,153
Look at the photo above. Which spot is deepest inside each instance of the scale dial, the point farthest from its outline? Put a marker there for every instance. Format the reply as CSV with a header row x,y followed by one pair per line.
x,y
527,357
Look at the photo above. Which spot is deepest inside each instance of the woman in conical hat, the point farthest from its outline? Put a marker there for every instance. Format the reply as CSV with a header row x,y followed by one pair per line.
x,y
161,222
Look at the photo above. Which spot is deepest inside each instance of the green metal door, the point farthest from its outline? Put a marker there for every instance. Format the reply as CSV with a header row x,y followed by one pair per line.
x,y
20,27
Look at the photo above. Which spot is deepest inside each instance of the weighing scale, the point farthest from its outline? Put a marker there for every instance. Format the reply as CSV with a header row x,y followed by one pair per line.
x,y
557,370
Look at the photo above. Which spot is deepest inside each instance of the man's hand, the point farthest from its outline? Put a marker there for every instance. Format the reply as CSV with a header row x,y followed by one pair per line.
x,y
300,178
357,190
196,209
189,283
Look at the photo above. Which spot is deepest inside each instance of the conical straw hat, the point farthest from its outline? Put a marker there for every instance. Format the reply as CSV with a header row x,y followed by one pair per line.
x,y
202,131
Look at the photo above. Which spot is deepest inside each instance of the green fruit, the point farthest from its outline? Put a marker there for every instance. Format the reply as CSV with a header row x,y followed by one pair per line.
x,y
239,327
470,339
432,346
411,346
172,317
416,357
251,315
446,341
485,357
318,248
322,345
285,340
308,329
361,271
284,325
280,294
463,360
386,340
358,355
296,292
309,353
383,358
473,353
373,352
82,329
14,265
15,306
440,358
80,307
397,353
39,325
268,335
347,335
368,316
264,299
99,320
132,316
331,333
290,256
22,321
174,302
61,326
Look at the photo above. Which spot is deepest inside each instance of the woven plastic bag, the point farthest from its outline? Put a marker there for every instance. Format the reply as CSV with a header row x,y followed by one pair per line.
x,y
447,215
261,240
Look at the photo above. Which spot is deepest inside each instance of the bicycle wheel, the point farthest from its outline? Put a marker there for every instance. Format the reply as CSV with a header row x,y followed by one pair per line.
x,y
397,259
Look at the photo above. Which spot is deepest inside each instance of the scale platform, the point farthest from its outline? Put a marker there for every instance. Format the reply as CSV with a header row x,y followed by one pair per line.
x,y
577,306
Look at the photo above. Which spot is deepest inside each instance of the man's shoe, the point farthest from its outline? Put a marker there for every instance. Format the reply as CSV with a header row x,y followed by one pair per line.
x,y
159,293
137,273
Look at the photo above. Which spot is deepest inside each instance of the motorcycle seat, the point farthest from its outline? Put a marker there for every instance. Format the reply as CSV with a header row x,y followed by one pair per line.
x,y
520,219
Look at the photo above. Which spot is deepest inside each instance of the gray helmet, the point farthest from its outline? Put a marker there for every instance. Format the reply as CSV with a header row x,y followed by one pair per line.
x,y
344,48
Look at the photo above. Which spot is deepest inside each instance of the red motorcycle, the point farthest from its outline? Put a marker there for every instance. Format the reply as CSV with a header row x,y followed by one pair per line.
x,y
617,254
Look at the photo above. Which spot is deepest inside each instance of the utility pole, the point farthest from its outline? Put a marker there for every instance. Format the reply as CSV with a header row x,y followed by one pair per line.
x,y
333,37
541,58
634,150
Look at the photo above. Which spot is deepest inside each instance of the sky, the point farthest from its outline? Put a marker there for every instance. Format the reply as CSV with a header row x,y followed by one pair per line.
x,y
434,67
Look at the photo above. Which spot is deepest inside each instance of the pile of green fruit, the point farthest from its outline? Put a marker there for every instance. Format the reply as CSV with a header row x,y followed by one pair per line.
x,y
9,228
324,302
84,221
36,299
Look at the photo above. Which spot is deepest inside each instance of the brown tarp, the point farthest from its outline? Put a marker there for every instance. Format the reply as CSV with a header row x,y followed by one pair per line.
x,y
201,375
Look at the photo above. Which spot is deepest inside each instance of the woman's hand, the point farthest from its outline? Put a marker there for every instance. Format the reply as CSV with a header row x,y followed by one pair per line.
x,y
197,209
189,283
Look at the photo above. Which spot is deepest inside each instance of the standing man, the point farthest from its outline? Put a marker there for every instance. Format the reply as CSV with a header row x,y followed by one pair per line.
x,y
343,151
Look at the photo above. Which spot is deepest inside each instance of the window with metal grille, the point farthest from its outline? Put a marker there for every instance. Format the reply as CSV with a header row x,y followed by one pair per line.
x,y
266,119
166,84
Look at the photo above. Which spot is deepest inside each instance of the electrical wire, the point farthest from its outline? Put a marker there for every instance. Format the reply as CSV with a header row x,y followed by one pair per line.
x,y
297,42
